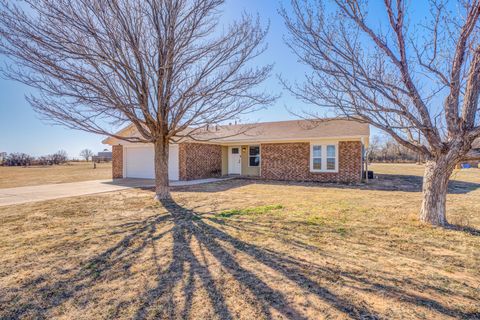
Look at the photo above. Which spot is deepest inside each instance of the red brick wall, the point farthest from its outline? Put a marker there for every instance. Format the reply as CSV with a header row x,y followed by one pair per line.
x,y
199,161
291,161
117,162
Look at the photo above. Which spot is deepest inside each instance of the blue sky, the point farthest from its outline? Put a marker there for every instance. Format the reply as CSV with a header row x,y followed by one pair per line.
x,y
22,131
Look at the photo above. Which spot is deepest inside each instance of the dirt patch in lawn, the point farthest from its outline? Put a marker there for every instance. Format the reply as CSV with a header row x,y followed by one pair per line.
x,y
245,250
11,177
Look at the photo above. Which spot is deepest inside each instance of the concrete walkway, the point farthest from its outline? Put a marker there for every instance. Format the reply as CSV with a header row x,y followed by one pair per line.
x,y
10,196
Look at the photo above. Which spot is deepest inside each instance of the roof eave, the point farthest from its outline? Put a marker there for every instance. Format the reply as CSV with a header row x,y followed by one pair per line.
x,y
219,141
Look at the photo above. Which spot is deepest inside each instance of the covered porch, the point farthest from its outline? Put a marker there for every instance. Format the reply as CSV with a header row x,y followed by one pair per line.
x,y
241,160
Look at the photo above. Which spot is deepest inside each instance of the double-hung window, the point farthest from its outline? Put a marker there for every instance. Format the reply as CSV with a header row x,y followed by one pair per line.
x,y
331,157
254,156
316,157
324,157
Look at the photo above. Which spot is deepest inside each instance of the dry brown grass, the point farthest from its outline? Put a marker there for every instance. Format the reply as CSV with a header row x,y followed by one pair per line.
x,y
36,175
244,249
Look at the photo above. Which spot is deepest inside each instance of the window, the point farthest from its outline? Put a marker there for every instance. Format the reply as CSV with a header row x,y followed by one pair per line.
x,y
253,156
324,158
331,157
235,151
317,158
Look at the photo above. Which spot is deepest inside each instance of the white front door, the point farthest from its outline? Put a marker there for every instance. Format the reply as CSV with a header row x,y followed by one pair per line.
x,y
234,160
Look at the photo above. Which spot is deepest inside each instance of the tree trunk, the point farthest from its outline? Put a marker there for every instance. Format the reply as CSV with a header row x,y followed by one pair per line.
x,y
162,190
435,186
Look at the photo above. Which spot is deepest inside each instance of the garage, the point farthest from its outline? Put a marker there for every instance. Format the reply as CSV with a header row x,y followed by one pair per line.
x,y
139,162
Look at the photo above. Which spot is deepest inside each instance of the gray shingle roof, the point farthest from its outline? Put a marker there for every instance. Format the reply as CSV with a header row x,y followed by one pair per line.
x,y
293,130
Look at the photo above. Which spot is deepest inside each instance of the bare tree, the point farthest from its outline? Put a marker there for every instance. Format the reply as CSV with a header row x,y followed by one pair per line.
x,y
86,154
59,157
373,148
18,159
165,66
394,75
3,156
390,151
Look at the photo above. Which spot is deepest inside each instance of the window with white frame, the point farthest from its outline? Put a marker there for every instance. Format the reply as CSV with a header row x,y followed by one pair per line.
x,y
331,157
323,157
316,157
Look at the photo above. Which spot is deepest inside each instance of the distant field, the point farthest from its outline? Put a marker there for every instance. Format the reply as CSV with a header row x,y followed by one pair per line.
x,y
415,170
397,168
11,177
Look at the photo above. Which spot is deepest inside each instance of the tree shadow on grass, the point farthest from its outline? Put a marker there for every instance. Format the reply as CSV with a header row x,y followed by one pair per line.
x,y
188,226
299,272
42,296
392,287
412,183
383,182
466,229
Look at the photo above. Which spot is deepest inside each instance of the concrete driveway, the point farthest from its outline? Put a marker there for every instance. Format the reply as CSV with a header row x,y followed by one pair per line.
x,y
10,196
19,195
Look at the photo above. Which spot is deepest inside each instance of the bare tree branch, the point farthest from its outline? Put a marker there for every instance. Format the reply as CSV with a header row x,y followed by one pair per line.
x,y
162,65
395,80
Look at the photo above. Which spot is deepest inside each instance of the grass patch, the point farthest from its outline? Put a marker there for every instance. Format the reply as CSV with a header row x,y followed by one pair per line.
x,y
315,221
247,211
342,231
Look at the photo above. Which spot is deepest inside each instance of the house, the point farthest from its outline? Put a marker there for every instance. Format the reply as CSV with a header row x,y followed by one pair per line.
x,y
475,160
104,155
298,150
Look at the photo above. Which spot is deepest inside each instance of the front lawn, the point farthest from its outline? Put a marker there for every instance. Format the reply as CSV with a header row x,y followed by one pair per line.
x,y
245,249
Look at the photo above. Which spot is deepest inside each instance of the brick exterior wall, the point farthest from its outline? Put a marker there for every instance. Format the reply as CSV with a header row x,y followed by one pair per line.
x,y
117,162
199,161
291,161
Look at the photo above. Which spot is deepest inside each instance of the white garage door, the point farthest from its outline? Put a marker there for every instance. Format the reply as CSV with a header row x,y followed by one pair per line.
x,y
139,162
